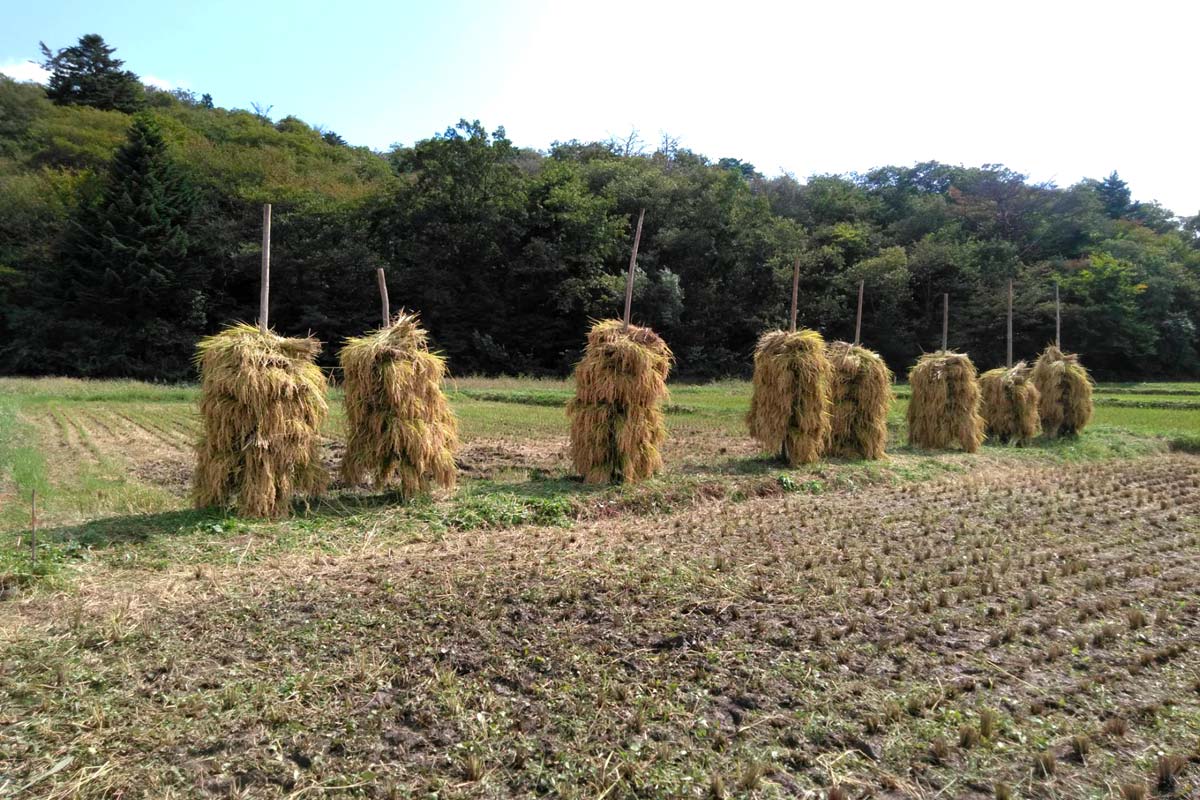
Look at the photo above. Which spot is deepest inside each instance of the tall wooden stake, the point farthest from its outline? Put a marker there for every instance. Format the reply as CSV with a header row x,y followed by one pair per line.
x,y
264,289
33,531
1057,319
858,316
637,240
945,321
1010,324
795,293
383,296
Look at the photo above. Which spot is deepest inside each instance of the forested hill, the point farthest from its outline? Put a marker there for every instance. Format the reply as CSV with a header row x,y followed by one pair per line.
x,y
128,229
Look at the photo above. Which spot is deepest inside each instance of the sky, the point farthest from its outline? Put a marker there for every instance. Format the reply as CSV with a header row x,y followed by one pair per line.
x,y
1055,89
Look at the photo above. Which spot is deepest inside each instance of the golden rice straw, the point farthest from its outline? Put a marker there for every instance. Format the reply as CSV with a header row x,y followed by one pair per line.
x,y
262,402
944,408
790,406
401,432
861,394
617,423
1065,405
1010,404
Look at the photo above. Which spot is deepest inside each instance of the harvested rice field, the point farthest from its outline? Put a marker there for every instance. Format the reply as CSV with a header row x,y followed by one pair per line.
x,y
1021,622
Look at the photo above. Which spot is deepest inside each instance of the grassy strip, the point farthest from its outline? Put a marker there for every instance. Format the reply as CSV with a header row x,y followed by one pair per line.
x,y
548,399
1115,402
22,472
1171,405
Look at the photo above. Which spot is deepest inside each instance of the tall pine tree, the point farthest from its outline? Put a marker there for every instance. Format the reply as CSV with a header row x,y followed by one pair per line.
x,y
127,299
87,74
1114,194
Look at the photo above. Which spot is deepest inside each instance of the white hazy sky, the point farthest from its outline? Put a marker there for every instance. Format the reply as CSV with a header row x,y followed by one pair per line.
x,y
1055,89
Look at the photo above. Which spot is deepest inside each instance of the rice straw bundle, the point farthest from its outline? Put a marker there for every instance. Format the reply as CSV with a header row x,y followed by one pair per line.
x,y
617,423
1010,404
400,430
262,402
861,394
1066,392
944,408
789,409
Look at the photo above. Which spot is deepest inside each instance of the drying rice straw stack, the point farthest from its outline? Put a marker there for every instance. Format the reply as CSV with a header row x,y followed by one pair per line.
x,y
1065,405
789,408
401,432
1010,404
262,402
861,394
617,423
944,408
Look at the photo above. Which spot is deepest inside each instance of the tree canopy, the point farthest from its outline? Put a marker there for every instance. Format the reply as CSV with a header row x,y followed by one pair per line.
x,y
87,74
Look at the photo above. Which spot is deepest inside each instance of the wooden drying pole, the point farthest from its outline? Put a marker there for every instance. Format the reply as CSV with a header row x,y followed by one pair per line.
x,y
637,240
858,317
33,530
795,293
264,289
383,296
1057,319
1010,323
945,321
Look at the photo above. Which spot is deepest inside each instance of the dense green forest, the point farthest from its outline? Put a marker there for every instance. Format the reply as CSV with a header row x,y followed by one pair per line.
x,y
130,225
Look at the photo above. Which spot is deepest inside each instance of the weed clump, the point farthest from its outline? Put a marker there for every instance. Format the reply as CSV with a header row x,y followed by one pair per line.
x,y
401,432
790,405
861,394
617,423
944,409
1065,389
262,402
1167,771
1010,404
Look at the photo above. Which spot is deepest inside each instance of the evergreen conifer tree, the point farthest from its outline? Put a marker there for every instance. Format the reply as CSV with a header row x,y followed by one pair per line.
x,y
87,74
127,299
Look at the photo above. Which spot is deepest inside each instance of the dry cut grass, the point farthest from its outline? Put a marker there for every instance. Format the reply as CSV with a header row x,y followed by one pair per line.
x,y
944,408
262,400
790,404
617,423
401,432
1010,404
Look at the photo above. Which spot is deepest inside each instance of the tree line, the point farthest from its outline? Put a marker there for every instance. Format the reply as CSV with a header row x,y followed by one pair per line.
x,y
129,227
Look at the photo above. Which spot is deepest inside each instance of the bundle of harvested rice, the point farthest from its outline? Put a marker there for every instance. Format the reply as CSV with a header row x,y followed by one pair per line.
x,y
400,430
617,423
1066,392
790,405
262,402
861,393
1010,404
944,408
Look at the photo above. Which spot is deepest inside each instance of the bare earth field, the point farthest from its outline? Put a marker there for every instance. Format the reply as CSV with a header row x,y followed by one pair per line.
x,y
1023,623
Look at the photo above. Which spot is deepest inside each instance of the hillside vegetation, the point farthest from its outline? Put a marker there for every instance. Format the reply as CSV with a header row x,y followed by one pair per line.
x,y
507,252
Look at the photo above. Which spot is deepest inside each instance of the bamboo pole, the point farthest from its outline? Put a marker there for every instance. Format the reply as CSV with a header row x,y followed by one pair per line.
x,y
858,317
264,288
1010,324
381,279
795,293
1057,319
945,321
637,240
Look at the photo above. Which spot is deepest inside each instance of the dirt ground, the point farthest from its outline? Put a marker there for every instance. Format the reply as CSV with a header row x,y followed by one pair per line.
x,y
1021,630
